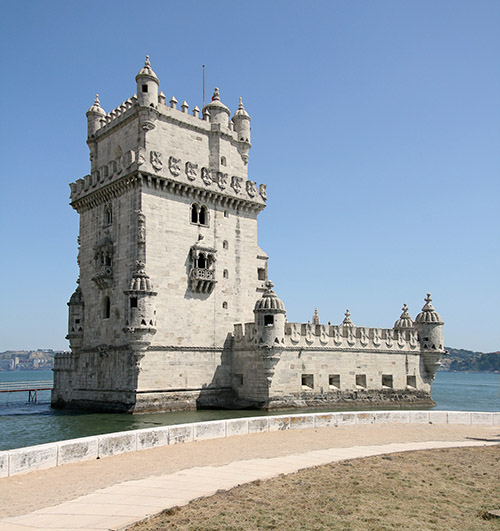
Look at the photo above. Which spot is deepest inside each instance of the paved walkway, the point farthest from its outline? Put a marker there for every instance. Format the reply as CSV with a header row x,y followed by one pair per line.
x,y
122,504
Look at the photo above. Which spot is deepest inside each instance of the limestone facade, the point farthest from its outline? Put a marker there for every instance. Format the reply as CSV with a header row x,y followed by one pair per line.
x,y
170,266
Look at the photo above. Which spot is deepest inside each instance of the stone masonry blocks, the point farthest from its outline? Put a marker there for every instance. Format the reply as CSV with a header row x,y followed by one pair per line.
x,y
32,458
438,417
181,433
258,425
117,443
152,438
237,427
459,417
481,418
210,430
4,464
76,450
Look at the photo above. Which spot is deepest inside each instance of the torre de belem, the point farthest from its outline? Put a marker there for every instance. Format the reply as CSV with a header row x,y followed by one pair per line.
x,y
174,309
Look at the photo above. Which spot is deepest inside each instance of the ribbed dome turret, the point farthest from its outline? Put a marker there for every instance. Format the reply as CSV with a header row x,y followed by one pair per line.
x,y
270,302
96,107
241,113
147,71
140,281
405,321
347,319
428,315
77,297
216,105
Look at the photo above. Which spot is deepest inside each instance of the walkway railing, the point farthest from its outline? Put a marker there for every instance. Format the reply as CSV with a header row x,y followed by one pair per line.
x,y
31,386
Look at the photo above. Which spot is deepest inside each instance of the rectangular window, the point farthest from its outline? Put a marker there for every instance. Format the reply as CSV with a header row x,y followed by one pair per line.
x,y
268,320
387,381
411,381
334,381
307,381
133,302
261,273
361,381
144,88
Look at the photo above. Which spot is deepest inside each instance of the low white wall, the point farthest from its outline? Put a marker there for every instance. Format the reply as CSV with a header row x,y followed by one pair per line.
x,y
24,460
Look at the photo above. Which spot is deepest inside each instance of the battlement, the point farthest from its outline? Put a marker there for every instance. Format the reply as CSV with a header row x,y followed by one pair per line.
x,y
305,335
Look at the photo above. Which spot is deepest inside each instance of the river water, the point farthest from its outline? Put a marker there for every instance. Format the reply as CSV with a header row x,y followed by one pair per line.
x,y
27,424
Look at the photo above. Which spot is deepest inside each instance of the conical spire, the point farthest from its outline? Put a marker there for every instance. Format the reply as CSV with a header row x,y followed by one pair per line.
x,y
241,112
428,313
347,319
405,321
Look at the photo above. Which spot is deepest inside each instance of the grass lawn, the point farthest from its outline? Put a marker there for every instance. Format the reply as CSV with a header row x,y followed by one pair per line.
x,y
432,489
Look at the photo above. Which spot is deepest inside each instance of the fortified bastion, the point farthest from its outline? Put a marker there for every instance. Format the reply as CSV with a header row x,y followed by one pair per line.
x,y
173,308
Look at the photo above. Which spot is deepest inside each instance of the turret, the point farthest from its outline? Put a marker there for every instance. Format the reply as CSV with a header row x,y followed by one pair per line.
x,y
75,320
94,116
141,313
429,326
270,317
147,86
405,322
241,120
217,111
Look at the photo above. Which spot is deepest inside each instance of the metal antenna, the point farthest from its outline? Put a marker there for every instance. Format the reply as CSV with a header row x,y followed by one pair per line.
x,y
203,85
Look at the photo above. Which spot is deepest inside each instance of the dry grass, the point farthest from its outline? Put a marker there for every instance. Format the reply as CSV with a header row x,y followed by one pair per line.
x,y
427,490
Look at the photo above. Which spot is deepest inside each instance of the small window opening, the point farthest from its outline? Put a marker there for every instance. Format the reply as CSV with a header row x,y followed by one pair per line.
x,y
202,219
261,273
268,320
106,310
77,321
411,381
224,305
225,274
334,381
194,213
226,214
361,381
133,302
307,381
202,262
143,322
387,381
223,161
144,88
225,244
108,215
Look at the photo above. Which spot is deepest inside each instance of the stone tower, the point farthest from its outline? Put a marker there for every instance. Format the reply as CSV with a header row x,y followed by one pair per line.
x,y
168,254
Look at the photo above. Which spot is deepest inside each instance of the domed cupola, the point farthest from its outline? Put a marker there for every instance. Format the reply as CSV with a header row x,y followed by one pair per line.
x,y
347,319
147,85
428,315
405,322
241,121
270,302
94,116
219,113
270,317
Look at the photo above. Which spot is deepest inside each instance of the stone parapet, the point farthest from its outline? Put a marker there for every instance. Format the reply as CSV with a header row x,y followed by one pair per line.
x,y
24,460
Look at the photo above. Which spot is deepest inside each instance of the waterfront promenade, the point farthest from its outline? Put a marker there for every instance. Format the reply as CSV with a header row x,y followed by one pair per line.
x,y
113,492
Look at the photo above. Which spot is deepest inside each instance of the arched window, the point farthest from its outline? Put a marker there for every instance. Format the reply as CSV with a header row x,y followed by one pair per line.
x,y
225,244
108,215
194,213
223,161
202,261
202,219
106,308
225,273
224,305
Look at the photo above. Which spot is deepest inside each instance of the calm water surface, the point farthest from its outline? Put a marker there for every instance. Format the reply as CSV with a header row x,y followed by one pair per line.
x,y
26,424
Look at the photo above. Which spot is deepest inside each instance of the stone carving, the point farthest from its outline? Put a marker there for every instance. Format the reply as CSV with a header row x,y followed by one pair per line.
x,y
324,337
263,191
309,333
141,157
191,170
363,337
156,160
129,158
148,126
376,337
251,188
174,165
295,334
205,176
141,227
236,183
222,179
389,340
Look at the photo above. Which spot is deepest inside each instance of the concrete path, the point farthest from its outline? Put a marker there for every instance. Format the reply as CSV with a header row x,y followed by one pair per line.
x,y
122,504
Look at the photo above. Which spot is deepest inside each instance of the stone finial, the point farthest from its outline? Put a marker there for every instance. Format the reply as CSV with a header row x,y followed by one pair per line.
x,y
96,107
405,321
196,111
206,114
315,319
147,71
216,96
184,106
173,102
269,285
428,313
347,319
162,98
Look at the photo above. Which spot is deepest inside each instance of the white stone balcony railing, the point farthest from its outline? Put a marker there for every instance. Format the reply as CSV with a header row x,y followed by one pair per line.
x,y
202,280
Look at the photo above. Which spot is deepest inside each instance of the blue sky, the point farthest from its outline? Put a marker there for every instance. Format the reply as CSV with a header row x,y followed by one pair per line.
x,y
376,126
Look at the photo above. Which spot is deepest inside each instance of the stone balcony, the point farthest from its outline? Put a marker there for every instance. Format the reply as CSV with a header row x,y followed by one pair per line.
x,y
202,279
